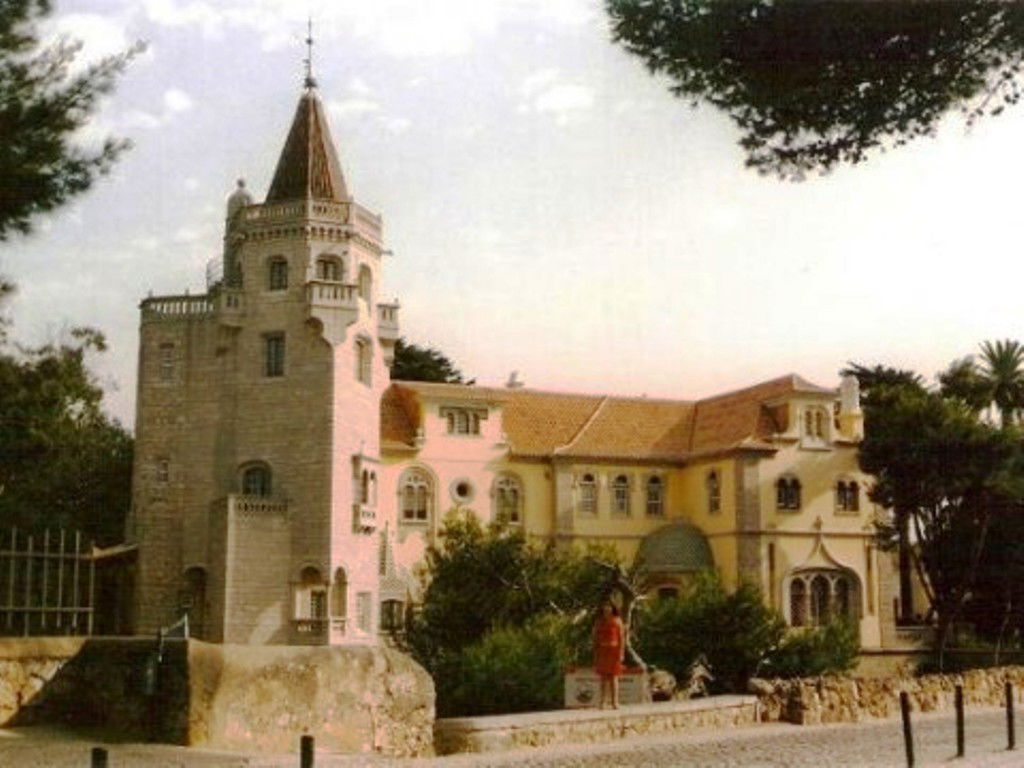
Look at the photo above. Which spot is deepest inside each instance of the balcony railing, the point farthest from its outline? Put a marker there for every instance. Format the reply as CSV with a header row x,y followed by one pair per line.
x,y
299,209
176,307
328,293
253,506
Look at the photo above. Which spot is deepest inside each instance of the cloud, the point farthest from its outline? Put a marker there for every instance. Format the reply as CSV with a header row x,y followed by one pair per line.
x,y
397,27
544,94
357,105
396,125
175,102
100,35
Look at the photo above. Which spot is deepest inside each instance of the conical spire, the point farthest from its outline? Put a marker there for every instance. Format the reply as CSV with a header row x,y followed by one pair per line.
x,y
308,167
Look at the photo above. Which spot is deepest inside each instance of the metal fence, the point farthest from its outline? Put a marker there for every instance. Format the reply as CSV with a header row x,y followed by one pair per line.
x,y
47,583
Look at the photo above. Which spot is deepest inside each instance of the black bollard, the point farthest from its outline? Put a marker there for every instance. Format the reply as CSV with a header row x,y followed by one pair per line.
x,y
959,720
306,752
99,758
908,735
1011,734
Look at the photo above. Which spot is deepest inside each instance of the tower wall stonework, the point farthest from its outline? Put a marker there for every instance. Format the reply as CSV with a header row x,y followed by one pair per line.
x,y
211,405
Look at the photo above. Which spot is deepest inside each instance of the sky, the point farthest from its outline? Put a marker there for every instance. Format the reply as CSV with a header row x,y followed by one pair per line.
x,y
551,207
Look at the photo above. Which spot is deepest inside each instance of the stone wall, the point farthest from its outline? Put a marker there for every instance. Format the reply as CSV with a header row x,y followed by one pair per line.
x,y
580,726
351,699
853,699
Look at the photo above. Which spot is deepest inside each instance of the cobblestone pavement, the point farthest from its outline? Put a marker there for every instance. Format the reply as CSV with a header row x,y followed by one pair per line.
x,y
878,743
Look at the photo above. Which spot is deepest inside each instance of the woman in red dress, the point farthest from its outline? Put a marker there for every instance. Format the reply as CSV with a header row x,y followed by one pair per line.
x,y
609,651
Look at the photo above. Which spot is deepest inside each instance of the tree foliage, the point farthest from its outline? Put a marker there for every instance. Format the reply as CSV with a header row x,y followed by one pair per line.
x,y
814,84
478,579
735,631
415,363
948,475
42,106
63,462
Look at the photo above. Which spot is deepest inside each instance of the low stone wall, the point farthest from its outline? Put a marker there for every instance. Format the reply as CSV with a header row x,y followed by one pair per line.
x,y
539,729
853,699
351,699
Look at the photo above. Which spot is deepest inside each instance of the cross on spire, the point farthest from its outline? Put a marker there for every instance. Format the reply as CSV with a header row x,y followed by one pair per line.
x,y
310,81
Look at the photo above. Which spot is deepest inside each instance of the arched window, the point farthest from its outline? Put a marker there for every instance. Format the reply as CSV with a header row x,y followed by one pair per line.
x,y
714,492
787,493
798,603
820,595
620,495
364,487
392,615
586,499
508,499
330,268
311,596
365,283
847,496
339,595
655,497
256,480
277,276
816,423
416,494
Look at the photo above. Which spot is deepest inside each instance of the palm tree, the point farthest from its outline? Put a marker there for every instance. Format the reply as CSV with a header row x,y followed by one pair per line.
x,y
1003,366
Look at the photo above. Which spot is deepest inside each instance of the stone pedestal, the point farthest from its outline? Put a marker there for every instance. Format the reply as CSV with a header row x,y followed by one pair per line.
x,y
583,687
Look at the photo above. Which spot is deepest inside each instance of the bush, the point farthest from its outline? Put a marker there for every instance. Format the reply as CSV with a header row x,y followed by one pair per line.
x,y
513,669
815,651
735,631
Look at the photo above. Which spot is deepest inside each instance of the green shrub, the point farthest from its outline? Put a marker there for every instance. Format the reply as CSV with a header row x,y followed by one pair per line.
x,y
512,669
735,631
815,651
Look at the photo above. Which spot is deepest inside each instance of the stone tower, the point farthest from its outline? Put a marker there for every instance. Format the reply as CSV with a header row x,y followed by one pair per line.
x,y
257,425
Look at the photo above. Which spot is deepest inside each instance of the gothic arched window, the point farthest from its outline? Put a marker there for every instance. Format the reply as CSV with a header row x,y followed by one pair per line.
x,y
713,487
256,480
620,495
416,492
508,498
586,499
655,496
787,493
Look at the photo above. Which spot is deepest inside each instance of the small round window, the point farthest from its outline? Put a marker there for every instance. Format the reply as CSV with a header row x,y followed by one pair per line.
x,y
462,491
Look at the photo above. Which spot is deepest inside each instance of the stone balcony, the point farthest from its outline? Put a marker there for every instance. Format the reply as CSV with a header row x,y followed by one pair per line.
x,y
334,305
240,505
364,518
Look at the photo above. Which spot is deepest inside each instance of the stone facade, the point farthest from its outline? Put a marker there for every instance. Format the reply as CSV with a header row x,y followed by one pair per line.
x,y
254,489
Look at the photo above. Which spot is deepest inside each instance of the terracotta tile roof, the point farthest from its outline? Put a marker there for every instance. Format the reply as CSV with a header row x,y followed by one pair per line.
x,y
635,428
538,423
742,418
543,424
308,167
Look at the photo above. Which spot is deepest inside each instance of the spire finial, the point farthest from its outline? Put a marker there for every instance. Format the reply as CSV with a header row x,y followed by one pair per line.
x,y
308,61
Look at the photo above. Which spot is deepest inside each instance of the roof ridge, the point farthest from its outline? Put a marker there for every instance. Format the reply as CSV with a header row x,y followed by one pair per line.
x,y
583,429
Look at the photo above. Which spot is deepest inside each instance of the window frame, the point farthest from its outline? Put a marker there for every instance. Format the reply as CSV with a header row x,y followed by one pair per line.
x,y
713,491
277,273
654,503
262,489
507,485
421,484
621,492
274,354
587,495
